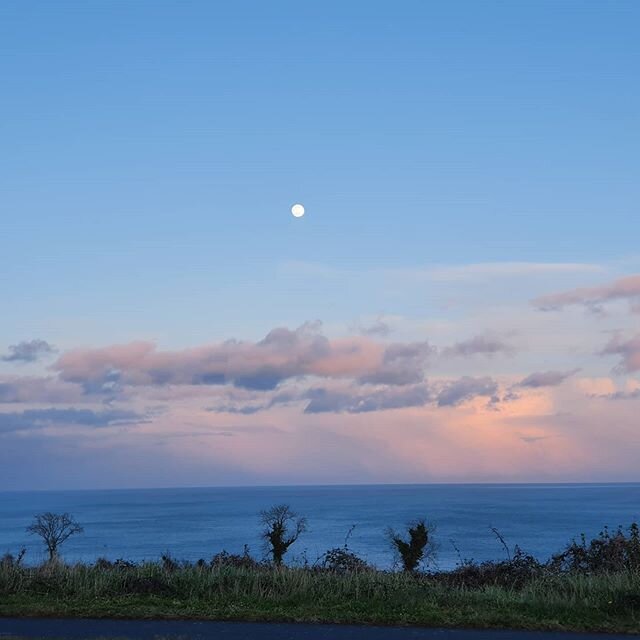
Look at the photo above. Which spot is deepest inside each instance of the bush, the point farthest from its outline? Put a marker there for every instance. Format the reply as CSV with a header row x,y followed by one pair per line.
x,y
516,572
607,553
237,561
414,550
341,560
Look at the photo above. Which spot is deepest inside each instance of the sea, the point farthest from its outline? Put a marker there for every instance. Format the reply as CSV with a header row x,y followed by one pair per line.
x,y
193,523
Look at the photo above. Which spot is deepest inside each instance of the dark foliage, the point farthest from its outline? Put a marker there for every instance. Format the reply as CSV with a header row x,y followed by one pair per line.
x,y
341,560
119,564
414,550
514,572
169,564
235,560
608,552
139,585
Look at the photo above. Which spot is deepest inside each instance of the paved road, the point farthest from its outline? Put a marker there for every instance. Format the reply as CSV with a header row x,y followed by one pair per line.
x,y
75,629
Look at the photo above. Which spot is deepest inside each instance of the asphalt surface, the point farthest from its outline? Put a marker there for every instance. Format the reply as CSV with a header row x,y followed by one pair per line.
x,y
75,629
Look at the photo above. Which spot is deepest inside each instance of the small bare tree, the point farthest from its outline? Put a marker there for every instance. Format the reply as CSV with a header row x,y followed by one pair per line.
x,y
9,561
282,527
416,548
54,529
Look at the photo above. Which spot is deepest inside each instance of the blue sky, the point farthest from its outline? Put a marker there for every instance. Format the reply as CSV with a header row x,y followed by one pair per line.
x,y
152,150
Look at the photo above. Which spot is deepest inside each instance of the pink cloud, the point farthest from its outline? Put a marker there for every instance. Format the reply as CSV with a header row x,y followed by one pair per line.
x,y
629,350
283,354
39,390
591,297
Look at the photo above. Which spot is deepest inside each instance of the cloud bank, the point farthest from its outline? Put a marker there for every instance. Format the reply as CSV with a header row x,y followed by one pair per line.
x,y
450,399
282,355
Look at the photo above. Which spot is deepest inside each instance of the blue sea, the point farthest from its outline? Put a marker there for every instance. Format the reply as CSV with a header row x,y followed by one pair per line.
x,y
197,523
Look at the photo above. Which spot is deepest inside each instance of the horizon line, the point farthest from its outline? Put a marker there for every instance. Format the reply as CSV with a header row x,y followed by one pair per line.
x,y
334,485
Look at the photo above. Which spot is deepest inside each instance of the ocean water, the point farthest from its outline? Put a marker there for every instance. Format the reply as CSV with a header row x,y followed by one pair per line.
x,y
197,523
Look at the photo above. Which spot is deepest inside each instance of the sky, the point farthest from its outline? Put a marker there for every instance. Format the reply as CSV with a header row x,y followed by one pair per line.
x,y
459,303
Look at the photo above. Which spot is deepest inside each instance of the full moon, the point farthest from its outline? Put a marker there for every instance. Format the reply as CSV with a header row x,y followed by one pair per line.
x,y
297,211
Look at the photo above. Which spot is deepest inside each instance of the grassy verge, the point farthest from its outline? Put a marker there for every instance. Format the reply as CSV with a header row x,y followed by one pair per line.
x,y
608,602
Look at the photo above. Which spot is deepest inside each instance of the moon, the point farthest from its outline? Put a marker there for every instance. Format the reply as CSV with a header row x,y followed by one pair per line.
x,y
297,210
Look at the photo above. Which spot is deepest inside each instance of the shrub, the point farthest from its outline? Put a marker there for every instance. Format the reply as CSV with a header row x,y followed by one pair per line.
x,y
235,560
414,550
515,572
608,552
341,560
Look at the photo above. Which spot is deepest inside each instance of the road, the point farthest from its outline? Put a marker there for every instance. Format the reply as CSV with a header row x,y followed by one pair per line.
x,y
76,629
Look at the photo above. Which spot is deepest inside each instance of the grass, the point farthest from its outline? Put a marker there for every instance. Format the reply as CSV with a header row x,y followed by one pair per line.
x,y
590,586
605,602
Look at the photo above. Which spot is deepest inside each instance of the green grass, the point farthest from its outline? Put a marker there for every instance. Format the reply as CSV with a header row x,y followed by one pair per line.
x,y
597,603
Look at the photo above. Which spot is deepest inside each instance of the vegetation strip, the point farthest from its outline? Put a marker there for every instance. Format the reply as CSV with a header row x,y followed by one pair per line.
x,y
590,586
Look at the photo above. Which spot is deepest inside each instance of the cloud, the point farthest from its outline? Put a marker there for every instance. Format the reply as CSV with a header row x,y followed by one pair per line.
x,y
379,328
483,345
546,378
32,389
466,388
40,418
592,297
628,349
365,398
245,410
416,444
533,439
401,364
350,399
28,351
619,395
243,402
282,355
330,401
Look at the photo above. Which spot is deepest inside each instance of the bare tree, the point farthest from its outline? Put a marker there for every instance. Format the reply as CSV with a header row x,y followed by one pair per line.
x,y
282,528
54,529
